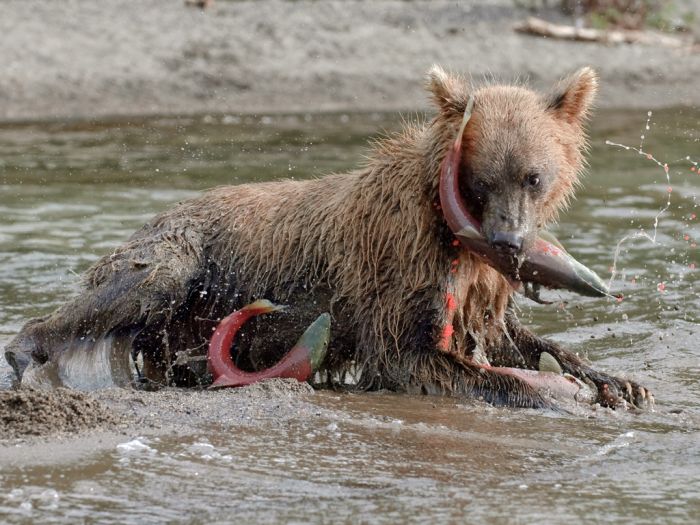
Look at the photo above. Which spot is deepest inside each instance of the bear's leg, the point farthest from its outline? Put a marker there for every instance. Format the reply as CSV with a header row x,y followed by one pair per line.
x,y
133,298
611,390
92,315
443,373
20,351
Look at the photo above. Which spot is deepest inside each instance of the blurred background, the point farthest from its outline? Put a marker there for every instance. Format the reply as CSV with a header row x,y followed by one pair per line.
x,y
86,58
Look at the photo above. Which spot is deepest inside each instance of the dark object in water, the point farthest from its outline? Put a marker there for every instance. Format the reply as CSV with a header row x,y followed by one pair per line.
x,y
547,263
299,363
202,4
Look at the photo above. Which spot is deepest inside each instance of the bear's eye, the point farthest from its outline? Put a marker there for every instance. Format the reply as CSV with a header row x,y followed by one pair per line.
x,y
532,180
481,186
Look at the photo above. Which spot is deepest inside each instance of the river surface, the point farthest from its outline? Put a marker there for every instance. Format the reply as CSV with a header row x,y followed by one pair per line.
x,y
72,192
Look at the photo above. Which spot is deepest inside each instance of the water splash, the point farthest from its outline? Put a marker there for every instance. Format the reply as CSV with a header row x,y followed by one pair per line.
x,y
642,233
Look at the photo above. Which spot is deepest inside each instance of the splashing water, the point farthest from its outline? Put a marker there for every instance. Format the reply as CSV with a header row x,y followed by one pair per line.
x,y
642,233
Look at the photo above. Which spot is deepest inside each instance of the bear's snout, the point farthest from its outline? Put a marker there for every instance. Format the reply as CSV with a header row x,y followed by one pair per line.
x,y
508,242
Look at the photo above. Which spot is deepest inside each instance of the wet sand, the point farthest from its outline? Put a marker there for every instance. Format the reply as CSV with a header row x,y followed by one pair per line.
x,y
27,413
39,426
58,426
86,59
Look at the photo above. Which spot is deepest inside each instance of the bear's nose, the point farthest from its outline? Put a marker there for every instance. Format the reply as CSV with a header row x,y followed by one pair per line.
x,y
510,242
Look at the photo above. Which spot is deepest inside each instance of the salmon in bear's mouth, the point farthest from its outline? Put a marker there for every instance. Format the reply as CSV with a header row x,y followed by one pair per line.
x,y
546,263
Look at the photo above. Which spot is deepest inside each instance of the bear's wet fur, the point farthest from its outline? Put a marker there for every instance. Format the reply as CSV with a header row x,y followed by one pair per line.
x,y
370,246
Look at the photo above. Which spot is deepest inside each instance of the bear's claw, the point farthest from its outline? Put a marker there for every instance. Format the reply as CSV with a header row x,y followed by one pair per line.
x,y
621,393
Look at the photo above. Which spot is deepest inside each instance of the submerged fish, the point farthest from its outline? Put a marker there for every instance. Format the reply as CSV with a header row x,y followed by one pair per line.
x,y
563,387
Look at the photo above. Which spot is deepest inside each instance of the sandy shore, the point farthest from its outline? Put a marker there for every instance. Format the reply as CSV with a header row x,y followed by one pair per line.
x,y
58,426
90,59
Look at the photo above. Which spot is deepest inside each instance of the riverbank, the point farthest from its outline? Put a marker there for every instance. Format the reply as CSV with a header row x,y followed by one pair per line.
x,y
35,423
84,59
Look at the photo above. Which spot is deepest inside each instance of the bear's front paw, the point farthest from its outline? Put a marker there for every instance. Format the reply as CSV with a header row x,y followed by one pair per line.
x,y
615,392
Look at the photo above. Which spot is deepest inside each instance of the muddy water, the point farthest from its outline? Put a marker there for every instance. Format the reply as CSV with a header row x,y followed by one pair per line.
x,y
71,192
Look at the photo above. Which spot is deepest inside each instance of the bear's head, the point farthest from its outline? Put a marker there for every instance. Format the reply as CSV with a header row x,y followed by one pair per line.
x,y
522,151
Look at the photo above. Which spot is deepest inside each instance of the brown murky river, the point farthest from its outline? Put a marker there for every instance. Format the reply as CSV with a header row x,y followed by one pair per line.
x,y
71,192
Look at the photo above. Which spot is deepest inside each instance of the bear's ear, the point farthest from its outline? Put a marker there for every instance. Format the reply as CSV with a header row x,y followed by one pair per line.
x,y
573,97
450,93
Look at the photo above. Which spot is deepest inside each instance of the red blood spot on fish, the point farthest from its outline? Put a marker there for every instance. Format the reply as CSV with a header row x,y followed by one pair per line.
x,y
691,266
455,243
666,168
649,157
551,250
686,237
661,287
669,189
692,216
619,298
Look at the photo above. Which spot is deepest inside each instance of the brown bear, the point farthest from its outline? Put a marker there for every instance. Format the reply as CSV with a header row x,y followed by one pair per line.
x,y
370,246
